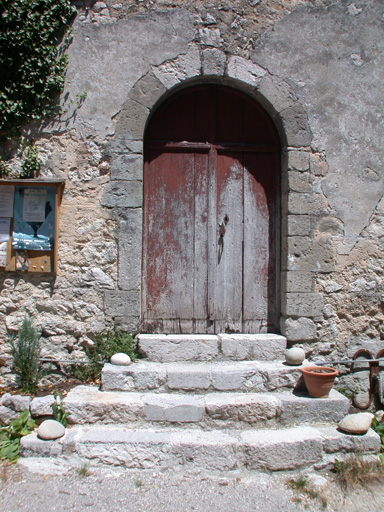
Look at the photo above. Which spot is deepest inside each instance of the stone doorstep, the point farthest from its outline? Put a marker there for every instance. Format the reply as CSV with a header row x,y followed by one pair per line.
x,y
203,347
88,405
273,450
201,377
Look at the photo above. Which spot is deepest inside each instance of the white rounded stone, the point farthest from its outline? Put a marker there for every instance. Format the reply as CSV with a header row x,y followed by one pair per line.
x,y
358,423
50,429
294,356
120,359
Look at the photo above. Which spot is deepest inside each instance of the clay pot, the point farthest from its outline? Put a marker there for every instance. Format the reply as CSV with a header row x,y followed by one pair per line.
x,y
319,380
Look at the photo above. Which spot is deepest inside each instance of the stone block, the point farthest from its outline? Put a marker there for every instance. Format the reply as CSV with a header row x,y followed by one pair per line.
x,y
318,165
263,347
297,281
232,379
128,323
122,303
42,406
320,257
215,451
245,70
123,194
132,119
17,403
147,90
303,329
189,379
298,160
130,245
86,404
296,126
303,304
278,450
7,415
32,446
209,36
298,245
123,144
247,407
299,182
185,66
127,167
213,62
140,376
337,441
330,225
157,347
299,409
277,92
174,408
298,225
307,204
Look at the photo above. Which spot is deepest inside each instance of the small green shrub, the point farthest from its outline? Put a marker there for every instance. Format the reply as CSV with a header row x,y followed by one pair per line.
x,y
10,436
378,427
30,167
25,351
106,344
306,490
58,410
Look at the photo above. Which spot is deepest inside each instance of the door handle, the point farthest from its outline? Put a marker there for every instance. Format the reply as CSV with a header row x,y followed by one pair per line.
x,y
222,224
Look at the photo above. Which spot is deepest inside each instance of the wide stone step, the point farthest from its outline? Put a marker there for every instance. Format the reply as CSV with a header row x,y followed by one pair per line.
x,y
86,404
201,377
204,347
196,450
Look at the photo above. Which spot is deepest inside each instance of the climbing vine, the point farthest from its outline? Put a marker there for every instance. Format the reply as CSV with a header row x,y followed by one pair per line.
x,y
33,39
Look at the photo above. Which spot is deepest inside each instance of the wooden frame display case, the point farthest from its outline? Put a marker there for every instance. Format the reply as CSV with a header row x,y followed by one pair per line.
x,y
29,224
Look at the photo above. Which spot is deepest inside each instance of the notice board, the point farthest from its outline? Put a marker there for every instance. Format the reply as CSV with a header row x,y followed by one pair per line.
x,y
29,224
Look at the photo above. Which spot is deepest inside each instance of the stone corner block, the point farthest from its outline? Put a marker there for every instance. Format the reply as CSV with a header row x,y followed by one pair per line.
x,y
147,90
336,441
302,329
42,406
303,305
245,70
123,194
132,119
119,303
213,62
296,126
276,92
185,66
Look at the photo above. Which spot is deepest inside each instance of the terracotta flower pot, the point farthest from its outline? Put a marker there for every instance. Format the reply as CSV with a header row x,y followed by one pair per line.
x,y
319,380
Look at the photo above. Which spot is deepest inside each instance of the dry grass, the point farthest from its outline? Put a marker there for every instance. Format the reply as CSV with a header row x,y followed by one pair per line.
x,y
306,491
357,470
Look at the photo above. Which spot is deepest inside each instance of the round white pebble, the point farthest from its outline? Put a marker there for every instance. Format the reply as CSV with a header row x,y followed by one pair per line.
x,y
120,359
50,429
294,356
358,423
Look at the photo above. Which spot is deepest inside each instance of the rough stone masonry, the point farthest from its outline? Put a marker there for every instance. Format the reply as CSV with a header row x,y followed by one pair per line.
x,y
315,65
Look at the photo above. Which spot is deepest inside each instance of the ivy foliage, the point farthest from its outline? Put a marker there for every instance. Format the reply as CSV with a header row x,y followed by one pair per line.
x,y
32,60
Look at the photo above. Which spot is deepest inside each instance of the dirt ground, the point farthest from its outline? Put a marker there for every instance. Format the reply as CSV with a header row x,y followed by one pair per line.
x,y
36,485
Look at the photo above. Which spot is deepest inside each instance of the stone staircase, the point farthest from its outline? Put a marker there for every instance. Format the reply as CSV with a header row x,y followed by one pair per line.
x,y
224,403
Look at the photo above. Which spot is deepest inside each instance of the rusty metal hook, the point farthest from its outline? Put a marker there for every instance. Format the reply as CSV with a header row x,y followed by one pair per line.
x,y
374,370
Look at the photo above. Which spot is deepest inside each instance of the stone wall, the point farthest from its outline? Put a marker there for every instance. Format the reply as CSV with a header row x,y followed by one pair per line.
x,y
316,66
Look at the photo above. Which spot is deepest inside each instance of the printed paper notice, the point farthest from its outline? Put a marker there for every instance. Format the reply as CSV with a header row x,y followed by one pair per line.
x,y
34,205
7,193
5,225
3,254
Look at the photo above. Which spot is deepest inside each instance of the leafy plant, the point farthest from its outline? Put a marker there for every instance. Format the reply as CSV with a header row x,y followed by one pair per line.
x,y
25,351
83,471
106,344
378,427
10,436
58,410
303,486
30,167
32,60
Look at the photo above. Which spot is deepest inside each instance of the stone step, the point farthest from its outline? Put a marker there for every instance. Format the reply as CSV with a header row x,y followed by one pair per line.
x,y
167,348
86,404
197,450
201,377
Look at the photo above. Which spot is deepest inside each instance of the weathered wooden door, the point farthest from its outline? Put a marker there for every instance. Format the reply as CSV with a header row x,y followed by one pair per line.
x,y
211,224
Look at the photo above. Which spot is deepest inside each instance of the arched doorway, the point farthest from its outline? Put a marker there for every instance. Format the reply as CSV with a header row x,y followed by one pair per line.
x,y
211,221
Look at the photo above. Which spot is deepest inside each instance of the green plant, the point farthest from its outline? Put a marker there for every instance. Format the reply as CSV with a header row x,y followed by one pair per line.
x,y
4,169
32,60
30,167
10,436
58,410
378,427
83,471
25,351
105,345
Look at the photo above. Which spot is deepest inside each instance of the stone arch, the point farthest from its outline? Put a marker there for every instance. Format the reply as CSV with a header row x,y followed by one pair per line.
x,y
124,192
